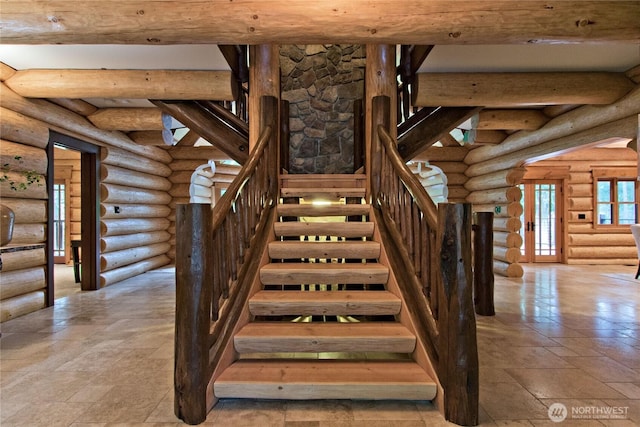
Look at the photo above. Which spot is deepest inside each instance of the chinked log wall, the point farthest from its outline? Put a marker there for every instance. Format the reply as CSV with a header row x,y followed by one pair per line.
x,y
185,162
23,280
26,123
587,243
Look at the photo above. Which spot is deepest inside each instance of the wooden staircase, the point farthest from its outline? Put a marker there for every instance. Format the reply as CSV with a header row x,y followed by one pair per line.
x,y
324,325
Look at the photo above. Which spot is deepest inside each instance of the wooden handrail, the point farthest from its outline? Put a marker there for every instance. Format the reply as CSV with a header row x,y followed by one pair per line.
x,y
418,192
216,260
430,253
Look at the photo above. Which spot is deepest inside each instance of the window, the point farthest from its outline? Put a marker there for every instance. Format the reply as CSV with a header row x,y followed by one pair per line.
x,y
616,201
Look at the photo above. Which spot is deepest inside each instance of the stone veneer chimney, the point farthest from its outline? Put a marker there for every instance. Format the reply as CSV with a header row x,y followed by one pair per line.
x,y
321,82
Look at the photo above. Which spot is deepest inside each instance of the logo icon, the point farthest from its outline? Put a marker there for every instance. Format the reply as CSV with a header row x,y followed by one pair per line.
x,y
557,412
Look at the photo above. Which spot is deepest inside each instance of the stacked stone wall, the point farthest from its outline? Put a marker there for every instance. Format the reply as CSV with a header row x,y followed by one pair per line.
x,y
321,83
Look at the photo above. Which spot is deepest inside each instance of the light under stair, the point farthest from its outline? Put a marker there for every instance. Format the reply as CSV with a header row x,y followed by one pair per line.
x,y
324,326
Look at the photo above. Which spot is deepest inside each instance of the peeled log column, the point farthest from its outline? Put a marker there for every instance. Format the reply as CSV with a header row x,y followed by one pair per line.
x,y
126,210
117,259
509,255
114,227
116,175
131,119
20,305
518,89
508,270
21,157
128,160
112,193
119,274
152,137
495,196
117,243
22,259
136,84
19,128
507,240
500,178
19,282
264,80
27,211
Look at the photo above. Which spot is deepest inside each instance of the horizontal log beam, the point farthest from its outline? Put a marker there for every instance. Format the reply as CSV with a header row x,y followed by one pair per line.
x,y
113,193
22,158
131,119
116,227
127,210
126,84
431,129
116,243
60,118
20,305
119,274
210,127
78,106
20,128
110,174
434,22
152,137
128,160
511,119
501,90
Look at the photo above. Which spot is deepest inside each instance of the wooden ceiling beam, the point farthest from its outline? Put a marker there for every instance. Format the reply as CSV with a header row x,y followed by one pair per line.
x,y
160,138
130,84
209,127
432,129
423,22
501,90
511,119
131,119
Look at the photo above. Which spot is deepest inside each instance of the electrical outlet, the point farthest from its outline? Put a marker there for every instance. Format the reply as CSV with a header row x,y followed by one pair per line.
x,y
116,209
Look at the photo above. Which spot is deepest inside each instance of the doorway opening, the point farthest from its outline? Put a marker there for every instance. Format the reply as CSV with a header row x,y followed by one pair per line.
x,y
541,221
73,225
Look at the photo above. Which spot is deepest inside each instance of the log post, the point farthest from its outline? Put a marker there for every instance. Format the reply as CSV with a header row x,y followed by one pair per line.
x,y
191,370
380,79
458,367
483,279
380,114
264,80
285,135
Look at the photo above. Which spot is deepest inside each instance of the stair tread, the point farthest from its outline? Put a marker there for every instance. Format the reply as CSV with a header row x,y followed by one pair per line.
x,y
279,337
320,192
327,273
330,303
325,379
315,211
342,229
311,249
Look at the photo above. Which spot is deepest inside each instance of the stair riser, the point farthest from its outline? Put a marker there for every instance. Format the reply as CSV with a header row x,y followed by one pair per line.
x,y
285,344
327,309
320,211
322,277
353,229
372,391
349,250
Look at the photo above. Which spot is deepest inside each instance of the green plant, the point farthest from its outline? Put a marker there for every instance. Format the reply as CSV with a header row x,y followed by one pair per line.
x,y
30,177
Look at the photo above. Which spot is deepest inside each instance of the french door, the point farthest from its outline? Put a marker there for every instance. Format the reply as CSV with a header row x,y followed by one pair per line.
x,y
542,221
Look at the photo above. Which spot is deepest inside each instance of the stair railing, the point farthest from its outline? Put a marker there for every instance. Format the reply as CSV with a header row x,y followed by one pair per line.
x,y
215,263
432,260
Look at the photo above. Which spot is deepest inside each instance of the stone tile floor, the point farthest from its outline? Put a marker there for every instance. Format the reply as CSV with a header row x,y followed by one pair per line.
x,y
562,334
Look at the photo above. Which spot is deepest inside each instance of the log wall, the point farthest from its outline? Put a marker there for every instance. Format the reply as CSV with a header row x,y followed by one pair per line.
x,y
23,273
134,215
585,243
132,169
185,161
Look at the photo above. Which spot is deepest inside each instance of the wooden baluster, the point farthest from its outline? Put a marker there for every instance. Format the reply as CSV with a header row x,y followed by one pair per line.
x,y
416,238
238,222
223,265
233,246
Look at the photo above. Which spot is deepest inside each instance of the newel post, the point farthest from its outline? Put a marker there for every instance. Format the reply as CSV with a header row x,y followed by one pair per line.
x,y
458,370
194,237
269,116
483,279
380,114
